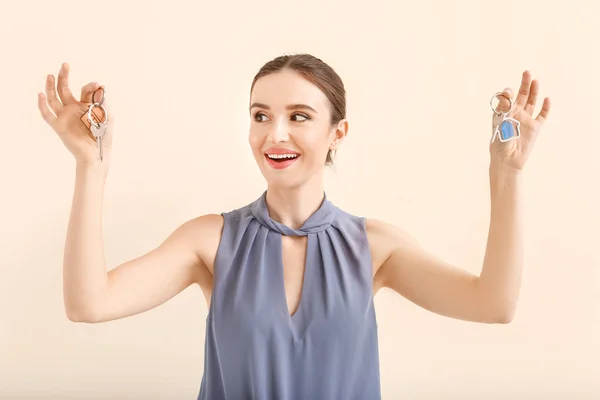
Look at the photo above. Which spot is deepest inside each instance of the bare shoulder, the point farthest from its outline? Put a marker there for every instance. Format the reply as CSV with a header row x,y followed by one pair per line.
x,y
384,240
387,237
203,233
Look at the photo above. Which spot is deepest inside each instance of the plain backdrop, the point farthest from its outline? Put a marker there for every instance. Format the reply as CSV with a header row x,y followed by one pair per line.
x,y
419,77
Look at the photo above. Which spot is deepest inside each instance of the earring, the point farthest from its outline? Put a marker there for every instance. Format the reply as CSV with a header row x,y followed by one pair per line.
x,y
332,153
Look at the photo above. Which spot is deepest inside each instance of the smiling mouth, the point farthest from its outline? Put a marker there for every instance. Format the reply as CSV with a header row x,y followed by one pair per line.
x,y
280,158
281,161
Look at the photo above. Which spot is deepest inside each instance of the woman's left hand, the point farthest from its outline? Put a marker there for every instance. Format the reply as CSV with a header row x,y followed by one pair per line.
x,y
514,153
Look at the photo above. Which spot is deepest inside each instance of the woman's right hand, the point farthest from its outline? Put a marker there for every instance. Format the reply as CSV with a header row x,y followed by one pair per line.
x,y
64,116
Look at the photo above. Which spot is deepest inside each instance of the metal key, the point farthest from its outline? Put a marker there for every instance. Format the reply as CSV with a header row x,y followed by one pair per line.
x,y
98,132
98,129
505,127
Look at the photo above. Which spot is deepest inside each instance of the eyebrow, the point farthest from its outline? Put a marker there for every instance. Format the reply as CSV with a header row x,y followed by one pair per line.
x,y
288,107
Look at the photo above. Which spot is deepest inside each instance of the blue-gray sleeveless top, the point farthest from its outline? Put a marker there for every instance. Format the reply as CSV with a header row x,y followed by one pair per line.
x,y
326,350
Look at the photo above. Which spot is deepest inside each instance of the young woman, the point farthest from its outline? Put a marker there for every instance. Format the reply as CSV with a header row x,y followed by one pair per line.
x,y
289,279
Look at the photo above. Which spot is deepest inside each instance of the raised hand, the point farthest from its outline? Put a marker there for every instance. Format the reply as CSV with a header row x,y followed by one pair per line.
x,y
62,111
514,153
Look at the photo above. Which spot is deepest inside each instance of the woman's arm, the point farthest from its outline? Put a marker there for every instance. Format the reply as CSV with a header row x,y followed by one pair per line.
x,y
93,295
451,291
444,288
84,272
500,280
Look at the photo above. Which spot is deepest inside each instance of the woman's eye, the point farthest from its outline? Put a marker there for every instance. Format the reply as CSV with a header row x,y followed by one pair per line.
x,y
306,118
260,114
257,115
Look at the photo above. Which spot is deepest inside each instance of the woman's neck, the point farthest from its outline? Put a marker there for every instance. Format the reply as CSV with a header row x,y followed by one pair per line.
x,y
293,206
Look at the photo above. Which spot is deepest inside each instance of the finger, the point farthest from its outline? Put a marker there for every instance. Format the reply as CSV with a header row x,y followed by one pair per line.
x,y
103,112
44,110
53,101
545,111
533,93
98,95
524,89
63,85
503,100
87,91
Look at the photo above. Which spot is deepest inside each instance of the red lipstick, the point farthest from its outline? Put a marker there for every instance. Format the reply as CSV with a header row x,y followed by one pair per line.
x,y
281,162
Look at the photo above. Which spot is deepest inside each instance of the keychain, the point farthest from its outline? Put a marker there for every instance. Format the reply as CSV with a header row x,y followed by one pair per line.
x,y
96,120
505,127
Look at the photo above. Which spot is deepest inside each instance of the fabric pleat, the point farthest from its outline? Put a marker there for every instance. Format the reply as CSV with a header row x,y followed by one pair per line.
x,y
328,349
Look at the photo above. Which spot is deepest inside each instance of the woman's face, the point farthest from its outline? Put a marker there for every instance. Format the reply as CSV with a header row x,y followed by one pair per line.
x,y
290,133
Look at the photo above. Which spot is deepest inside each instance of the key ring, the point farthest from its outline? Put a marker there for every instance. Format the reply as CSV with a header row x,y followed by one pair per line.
x,y
94,95
505,128
89,114
491,101
94,104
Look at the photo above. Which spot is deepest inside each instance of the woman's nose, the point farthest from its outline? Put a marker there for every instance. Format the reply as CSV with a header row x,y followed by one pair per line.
x,y
279,132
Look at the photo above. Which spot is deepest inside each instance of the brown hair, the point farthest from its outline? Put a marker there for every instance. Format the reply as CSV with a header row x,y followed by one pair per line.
x,y
320,74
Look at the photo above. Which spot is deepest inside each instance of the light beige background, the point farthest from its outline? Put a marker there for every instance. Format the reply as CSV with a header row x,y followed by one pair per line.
x,y
419,77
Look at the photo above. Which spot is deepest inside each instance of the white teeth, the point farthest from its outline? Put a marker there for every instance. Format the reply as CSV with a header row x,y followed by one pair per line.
x,y
280,156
